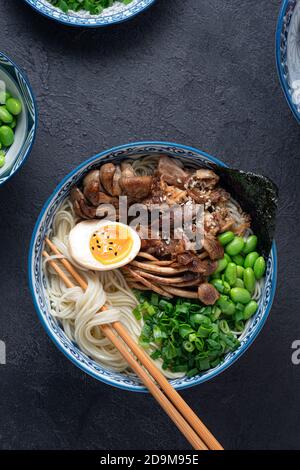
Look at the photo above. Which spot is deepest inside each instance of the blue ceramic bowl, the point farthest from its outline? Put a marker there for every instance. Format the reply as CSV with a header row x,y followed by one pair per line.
x,y
108,16
37,281
288,53
17,84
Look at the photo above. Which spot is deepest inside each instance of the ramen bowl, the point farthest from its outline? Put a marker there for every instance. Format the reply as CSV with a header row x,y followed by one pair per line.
x,y
187,155
118,13
288,53
17,84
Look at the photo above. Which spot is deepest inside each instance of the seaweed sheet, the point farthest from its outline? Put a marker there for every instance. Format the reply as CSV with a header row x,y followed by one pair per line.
x,y
258,196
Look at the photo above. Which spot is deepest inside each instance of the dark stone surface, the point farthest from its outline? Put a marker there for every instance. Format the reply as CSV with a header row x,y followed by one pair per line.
x,y
195,72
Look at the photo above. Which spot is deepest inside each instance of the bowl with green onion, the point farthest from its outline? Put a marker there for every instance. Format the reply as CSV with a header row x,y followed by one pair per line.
x,y
18,118
191,341
90,13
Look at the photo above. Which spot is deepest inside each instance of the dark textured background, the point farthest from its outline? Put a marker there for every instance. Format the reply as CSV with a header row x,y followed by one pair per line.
x,y
196,72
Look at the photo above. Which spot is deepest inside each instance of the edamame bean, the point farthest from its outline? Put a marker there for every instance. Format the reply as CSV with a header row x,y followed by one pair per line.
x,y
238,260
259,268
222,264
235,246
4,96
10,109
250,259
227,257
250,244
6,136
230,274
14,106
226,238
5,115
240,272
227,287
218,284
250,309
240,307
226,305
13,124
240,295
239,283
2,158
249,280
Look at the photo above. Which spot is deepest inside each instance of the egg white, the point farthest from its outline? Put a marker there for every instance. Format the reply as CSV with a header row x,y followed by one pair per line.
x,y
79,244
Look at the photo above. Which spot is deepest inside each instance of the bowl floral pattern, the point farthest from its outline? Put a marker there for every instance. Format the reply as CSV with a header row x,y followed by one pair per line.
x,y
17,77
107,17
37,281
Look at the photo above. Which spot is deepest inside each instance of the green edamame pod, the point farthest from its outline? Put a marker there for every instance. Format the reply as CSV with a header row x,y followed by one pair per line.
x,y
226,305
7,136
238,260
250,259
240,272
13,124
218,284
235,246
249,280
14,106
226,238
239,283
222,264
250,309
5,115
240,307
240,295
250,244
259,268
230,274
4,96
227,287
227,257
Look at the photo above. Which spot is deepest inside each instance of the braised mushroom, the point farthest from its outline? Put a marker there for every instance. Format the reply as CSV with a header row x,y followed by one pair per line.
x,y
208,294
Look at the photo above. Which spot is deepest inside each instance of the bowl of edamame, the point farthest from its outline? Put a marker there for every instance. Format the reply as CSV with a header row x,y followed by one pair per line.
x,y
18,118
245,277
93,14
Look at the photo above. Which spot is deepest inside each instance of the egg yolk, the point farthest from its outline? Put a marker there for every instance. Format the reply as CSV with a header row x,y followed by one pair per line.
x,y
111,244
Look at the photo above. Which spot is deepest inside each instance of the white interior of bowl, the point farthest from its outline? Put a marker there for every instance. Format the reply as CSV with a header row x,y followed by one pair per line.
x,y
22,124
54,330
115,9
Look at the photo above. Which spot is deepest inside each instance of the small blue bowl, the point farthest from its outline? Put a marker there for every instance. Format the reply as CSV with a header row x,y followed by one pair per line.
x,y
18,85
108,17
288,53
37,280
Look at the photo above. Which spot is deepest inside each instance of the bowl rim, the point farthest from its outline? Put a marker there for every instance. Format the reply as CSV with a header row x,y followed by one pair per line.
x,y
87,24
280,72
35,120
83,367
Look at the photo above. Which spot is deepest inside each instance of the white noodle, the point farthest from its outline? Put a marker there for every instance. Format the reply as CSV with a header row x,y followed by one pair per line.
x,y
78,311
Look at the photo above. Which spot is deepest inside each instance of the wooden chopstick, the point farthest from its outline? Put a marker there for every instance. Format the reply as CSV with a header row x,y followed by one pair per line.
x,y
167,406
172,394
193,420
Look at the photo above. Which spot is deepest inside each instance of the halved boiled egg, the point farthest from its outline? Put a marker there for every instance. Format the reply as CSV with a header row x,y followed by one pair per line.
x,y
102,245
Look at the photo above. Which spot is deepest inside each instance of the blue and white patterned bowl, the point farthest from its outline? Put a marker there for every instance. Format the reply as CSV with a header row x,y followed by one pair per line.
x,y
18,85
288,53
37,281
112,15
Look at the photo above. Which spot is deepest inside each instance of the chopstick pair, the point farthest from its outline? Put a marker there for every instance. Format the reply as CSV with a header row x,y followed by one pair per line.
x,y
172,403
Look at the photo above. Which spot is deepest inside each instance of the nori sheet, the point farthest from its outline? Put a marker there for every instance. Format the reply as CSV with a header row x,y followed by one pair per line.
x,y
258,196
